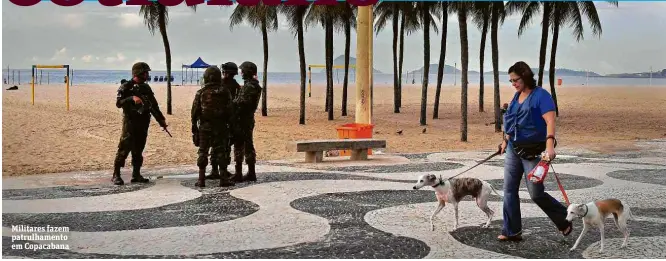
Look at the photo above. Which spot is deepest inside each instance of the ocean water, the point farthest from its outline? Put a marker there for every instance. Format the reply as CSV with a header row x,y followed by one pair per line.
x,y
114,76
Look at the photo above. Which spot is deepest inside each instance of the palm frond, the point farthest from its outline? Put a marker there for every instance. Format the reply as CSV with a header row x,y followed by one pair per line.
x,y
529,12
295,14
588,9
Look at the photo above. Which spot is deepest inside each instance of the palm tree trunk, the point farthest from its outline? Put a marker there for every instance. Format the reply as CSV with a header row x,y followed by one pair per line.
x,y
544,40
396,76
495,53
442,55
301,57
264,106
346,80
329,63
551,70
482,50
167,51
328,70
401,58
426,60
462,21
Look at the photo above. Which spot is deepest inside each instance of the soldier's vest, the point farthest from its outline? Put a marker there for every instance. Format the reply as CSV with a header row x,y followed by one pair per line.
x,y
212,103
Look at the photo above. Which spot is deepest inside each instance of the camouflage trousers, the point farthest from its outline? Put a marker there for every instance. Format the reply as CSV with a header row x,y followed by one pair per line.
x,y
132,140
211,139
244,145
227,153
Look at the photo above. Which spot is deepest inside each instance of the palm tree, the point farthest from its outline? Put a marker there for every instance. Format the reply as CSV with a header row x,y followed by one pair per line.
x,y
442,55
426,10
409,23
463,9
295,15
156,17
383,11
571,12
347,19
261,17
529,11
325,15
482,13
498,14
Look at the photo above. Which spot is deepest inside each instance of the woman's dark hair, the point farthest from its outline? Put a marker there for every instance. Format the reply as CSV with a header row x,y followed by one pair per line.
x,y
525,72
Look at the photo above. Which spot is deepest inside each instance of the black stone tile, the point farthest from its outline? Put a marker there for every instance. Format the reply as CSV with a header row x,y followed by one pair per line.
x,y
649,212
350,237
568,182
649,176
414,156
209,208
410,167
284,176
542,240
72,191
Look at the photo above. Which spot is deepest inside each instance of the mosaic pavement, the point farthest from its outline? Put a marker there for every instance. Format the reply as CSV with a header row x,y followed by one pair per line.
x,y
335,209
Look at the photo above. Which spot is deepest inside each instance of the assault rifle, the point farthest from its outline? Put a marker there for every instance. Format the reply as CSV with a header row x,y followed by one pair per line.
x,y
147,104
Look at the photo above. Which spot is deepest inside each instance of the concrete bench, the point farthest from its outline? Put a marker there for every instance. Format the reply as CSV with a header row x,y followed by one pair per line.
x,y
314,149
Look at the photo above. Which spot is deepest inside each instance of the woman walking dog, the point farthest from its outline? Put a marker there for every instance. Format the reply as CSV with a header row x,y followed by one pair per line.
x,y
529,127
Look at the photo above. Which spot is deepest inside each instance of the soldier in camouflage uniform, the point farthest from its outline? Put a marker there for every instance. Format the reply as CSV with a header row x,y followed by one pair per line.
x,y
245,105
138,102
229,70
211,110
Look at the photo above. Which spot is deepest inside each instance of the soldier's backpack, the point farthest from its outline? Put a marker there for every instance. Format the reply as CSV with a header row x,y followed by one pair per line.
x,y
213,101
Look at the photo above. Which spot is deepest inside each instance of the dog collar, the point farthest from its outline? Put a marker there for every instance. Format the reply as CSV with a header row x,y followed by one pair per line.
x,y
586,209
441,182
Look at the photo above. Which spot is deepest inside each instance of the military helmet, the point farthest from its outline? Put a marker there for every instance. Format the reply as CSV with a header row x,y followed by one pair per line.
x,y
230,68
140,68
248,68
212,75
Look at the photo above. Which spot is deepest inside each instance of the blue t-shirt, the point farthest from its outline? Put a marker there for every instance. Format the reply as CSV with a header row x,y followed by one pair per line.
x,y
524,122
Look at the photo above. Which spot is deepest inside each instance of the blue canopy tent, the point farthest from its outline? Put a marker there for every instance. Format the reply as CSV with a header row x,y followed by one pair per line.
x,y
199,63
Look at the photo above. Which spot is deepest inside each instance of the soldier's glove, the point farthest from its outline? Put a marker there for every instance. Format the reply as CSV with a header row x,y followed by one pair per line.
x,y
195,139
195,135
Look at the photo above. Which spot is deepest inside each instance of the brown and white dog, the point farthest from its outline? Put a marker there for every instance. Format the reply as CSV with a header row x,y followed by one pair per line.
x,y
454,190
594,214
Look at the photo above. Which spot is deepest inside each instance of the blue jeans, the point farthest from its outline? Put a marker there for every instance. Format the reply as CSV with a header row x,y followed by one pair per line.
x,y
514,170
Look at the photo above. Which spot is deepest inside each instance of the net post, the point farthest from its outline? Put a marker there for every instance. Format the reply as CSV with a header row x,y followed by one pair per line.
x,y
33,85
67,88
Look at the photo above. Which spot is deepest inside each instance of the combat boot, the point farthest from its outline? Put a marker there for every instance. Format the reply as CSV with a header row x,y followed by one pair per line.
x,y
225,173
215,173
202,178
251,175
225,180
117,180
136,175
238,176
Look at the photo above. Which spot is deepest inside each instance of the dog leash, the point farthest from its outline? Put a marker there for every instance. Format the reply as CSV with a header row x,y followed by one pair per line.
x,y
559,184
483,161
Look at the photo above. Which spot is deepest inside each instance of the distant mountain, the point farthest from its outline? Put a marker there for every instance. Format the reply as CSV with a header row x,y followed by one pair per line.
x,y
569,72
450,70
340,60
657,74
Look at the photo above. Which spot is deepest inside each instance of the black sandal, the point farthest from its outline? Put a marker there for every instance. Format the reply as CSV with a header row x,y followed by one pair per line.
x,y
569,228
510,238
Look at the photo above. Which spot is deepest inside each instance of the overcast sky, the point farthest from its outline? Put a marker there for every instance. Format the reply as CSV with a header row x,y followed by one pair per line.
x,y
92,36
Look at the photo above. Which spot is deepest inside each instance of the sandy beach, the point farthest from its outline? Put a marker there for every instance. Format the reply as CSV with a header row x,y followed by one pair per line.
x,y
45,138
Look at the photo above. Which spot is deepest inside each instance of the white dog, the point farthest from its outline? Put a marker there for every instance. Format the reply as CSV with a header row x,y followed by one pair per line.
x,y
594,214
454,190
